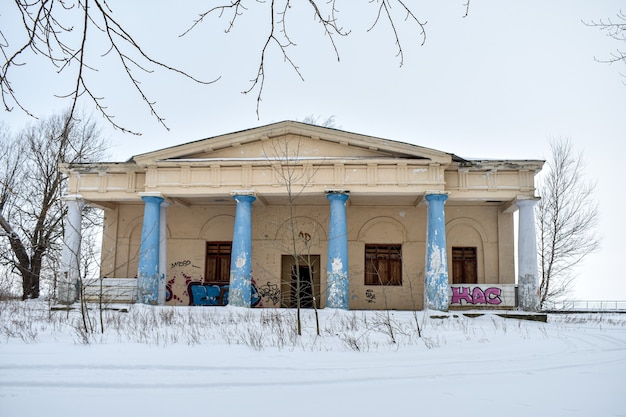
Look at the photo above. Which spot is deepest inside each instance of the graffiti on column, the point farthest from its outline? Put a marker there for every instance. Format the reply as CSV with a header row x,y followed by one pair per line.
x,y
370,296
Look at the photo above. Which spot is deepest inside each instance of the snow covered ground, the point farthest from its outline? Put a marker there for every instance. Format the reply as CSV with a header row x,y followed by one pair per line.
x,y
225,361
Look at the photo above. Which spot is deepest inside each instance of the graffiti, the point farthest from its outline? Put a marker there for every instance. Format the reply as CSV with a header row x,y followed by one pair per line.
x,y
169,289
269,292
305,236
255,298
169,293
201,294
207,295
370,295
198,292
477,295
180,263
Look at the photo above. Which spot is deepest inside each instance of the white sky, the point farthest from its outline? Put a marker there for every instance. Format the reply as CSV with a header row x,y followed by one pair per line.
x,y
497,84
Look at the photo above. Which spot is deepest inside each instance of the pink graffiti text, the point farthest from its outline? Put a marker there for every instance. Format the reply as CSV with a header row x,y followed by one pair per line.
x,y
477,295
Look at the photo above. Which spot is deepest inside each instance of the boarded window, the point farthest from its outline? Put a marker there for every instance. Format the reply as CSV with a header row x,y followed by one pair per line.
x,y
383,264
218,262
464,265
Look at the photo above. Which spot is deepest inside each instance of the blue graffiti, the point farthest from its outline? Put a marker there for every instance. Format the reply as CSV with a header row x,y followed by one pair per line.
x,y
215,295
205,295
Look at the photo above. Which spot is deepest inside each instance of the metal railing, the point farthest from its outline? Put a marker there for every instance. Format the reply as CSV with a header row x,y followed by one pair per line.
x,y
589,305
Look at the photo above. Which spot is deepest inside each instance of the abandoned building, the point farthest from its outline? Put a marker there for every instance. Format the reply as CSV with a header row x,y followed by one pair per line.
x,y
294,214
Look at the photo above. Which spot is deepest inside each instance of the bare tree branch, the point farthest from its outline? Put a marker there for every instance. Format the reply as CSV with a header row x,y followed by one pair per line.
x,y
278,34
31,185
567,216
49,38
615,29
467,7
69,49
386,6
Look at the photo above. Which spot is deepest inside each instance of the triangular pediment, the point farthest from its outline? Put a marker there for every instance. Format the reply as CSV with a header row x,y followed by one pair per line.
x,y
292,140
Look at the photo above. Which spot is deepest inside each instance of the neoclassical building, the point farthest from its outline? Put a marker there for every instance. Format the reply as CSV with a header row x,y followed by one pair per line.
x,y
294,214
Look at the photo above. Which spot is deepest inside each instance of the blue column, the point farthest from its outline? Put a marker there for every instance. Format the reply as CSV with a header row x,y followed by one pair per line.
x,y
162,251
240,289
436,286
148,271
527,282
337,264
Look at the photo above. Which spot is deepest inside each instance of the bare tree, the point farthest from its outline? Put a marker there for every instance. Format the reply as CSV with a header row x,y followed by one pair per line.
x,y
567,216
59,30
285,155
614,28
31,186
319,121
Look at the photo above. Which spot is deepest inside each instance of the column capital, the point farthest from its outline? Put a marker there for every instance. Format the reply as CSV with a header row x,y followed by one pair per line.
x,y
435,196
336,191
143,194
526,201
246,198
337,195
249,193
72,197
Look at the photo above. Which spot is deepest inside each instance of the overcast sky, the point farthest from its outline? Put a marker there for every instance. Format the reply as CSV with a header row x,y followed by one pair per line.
x,y
498,83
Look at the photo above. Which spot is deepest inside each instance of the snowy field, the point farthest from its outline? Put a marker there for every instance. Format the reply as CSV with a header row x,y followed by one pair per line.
x,y
223,361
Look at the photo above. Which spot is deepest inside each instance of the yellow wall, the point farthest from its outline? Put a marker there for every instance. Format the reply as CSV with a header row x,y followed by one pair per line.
x,y
189,228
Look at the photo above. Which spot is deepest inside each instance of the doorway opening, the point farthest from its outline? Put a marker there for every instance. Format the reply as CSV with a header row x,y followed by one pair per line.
x,y
300,281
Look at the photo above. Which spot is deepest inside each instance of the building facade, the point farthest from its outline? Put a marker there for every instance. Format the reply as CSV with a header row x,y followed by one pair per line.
x,y
293,214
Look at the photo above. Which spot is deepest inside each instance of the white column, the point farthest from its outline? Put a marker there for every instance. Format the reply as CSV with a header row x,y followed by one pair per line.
x,y
528,276
67,287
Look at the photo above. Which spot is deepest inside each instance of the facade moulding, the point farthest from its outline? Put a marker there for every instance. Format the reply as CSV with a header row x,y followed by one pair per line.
x,y
343,179
150,194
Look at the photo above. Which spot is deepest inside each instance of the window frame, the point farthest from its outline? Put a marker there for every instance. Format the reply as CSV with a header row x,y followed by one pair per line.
x,y
464,263
223,253
383,264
